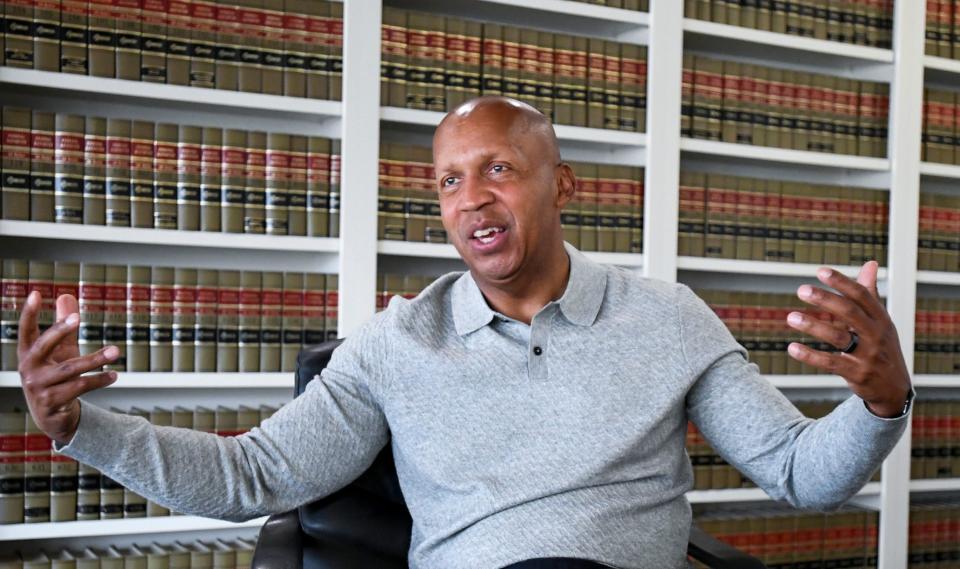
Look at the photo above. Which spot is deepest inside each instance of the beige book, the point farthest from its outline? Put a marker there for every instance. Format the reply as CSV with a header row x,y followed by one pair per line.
x,y
90,333
271,319
153,33
115,312
133,557
189,143
184,319
157,556
277,183
250,78
249,322
203,43
273,54
332,305
86,559
334,189
296,49
266,411
63,560
94,171
205,329
69,158
201,557
179,557
102,37
233,168
318,187
180,19
37,560
165,165
587,189
88,493
247,418
141,174
13,290
314,309
254,215
138,318
129,39
15,165
225,421
37,473
335,49
161,318
224,556
292,328
42,166
18,37
297,186
41,279
228,315
318,64
109,557
73,36
118,174
227,46
12,448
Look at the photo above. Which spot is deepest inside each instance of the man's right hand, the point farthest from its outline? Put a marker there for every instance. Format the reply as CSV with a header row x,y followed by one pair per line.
x,y
51,367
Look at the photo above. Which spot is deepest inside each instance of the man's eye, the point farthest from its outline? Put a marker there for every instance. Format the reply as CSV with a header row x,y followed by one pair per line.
x,y
497,168
447,182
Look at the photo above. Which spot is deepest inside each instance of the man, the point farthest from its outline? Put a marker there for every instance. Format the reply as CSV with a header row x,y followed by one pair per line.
x,y
536,405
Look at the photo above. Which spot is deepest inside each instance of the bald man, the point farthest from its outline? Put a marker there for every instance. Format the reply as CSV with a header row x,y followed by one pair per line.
x,y
536,405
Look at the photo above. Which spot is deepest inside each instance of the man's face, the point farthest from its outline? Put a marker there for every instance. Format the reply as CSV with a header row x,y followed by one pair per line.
x,y
498,192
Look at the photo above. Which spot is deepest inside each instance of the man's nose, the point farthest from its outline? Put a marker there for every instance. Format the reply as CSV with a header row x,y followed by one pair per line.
x,y
475,193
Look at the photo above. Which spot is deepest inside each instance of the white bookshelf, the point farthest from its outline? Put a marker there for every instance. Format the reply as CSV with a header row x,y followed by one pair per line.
x,y
186,380
111,528
935,170
783,155
938,278
935,485
937,380
447,251
746,267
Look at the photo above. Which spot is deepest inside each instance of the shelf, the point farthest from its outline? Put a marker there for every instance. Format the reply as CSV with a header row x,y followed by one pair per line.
x,y
936,380
124,91
165,524
810,381
569,8
941,69
937,170
447,251
938,277
765,39
785,156
935,485
753,494
735,266
166,237
185,380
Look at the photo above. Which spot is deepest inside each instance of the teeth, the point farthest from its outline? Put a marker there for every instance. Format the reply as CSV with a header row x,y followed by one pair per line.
x,y
481,233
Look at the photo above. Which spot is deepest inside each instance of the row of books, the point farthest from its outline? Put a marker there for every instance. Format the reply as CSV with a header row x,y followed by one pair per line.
x,y
781,536
936,348
936,439
606,213
639,5
278,47
860,22
941,33
201,554
939,137
178,319
132,173
934,532
40,485
938,243
758,321
435,63
734,217
390,285
765,106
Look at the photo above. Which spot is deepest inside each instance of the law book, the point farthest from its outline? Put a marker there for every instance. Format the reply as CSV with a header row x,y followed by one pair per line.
x,y
12,448
133,557
318,64
250,77
391,198
66,280
73,38
296,48
225,421
45,30
211,179
570,215
94,170
606,209
692,215
318,186
233,168
633,97
115,312
102,38
492,59
179,46
227,321
528,67
184,312
544,72
36,473
335,47
162,280
187,164
69,168
416,197
393,58
166,177
733,106
109,557
90,333
277,183
587,187
473,59
203,44
314,309
41,176
297,186
273,47
200,555
117,184
624,207
254,212
292,324
63,485
223,556
156,556
15,167
707,99
418,60
141,173
127,29
111,499
332,306
18,34
248,323
153,41
637,215
334,223
203,334
455,49
271,320
227,46
611,85
13,294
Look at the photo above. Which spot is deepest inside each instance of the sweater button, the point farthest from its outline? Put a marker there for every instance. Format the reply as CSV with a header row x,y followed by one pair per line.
x,y
537,350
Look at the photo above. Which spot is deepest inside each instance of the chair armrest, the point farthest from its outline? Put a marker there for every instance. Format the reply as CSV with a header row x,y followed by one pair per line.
x,y
718,555
280,543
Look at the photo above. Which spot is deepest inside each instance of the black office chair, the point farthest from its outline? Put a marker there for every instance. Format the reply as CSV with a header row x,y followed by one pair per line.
x,y
366,524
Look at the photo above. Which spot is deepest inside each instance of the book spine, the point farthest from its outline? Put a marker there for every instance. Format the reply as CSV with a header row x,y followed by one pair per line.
x,y
335,49
391,203
624,208
529,67
42,169
101,33
205,331
12,447
142,174
13,295
188,157
118,172
165,177
250,78
417,207
94,171
183,335
228,320
73,36
296,49
181,17
254,211
570,217
596,66
111,499
332,307
233,178
153,46
129,39
455,50
611,85
492,60
318,187
19,34
271,320
69,158
91,298
66,280
225,421
606,209
636,229
334,188
36,474
15,166
249,322
633,85
546,63
63,485
227,54
314,309
115,313
587,188
277,183
293,308
161,318
211,179
273,54
297,186
393,45
203,44
46,32
138,318
318,59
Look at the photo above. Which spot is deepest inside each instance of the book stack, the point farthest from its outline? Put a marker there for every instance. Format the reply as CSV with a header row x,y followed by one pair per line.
x,y
277,47
131,173
202,554
935,445
640,5
167,319
934,534
390,285
39,485
758,321
606,213
734,217
434,62
939,138
941,30
938,240
860,22
743,103
935,348
781,536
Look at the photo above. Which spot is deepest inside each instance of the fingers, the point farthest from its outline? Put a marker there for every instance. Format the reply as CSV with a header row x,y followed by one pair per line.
x,y
66,305
867,277
39,376
42,346
826,331
864,298
62,393
838,364
843,308
28,329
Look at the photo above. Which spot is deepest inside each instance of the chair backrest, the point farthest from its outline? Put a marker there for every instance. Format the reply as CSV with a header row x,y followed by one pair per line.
x,y
370,512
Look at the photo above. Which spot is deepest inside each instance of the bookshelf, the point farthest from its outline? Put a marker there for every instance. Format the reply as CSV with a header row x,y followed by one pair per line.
x,y
359,122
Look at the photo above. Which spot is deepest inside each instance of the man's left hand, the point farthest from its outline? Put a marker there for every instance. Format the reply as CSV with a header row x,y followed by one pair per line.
x,y
874,369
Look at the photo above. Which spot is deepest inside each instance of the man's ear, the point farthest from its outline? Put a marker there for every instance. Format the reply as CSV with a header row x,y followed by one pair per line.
x,y
566,184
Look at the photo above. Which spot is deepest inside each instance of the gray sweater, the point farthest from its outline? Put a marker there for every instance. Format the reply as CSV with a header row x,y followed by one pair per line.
x,y
561,438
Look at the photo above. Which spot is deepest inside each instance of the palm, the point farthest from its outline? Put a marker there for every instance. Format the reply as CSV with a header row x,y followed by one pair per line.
x,y
70,348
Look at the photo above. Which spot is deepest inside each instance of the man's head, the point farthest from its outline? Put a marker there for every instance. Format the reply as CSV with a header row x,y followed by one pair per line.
x,y
501,185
